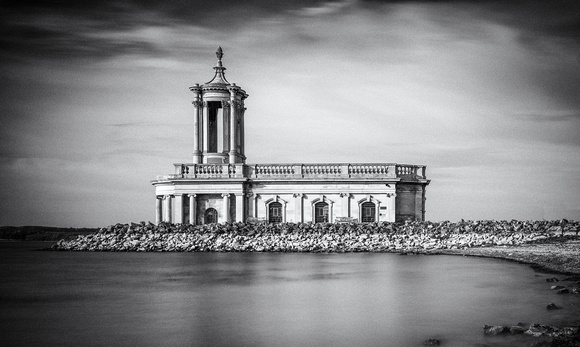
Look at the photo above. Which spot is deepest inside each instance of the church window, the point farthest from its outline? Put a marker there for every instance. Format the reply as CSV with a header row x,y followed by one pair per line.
x,y
275,212
211,216
368,212
321,212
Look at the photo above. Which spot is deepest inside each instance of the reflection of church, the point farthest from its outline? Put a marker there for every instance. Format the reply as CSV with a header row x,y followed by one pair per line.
x,y
218,186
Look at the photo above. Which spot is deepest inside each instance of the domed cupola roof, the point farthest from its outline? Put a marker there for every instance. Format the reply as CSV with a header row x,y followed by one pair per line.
x,y
219,79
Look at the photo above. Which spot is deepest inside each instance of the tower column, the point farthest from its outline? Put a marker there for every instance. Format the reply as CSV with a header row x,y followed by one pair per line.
x,y
233,135
242,134
205,121
226,126
196,151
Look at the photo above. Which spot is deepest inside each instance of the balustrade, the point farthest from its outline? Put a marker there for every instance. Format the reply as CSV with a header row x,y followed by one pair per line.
x,y
294,171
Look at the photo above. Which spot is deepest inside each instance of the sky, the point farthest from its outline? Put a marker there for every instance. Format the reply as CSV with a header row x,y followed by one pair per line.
x,y
95,100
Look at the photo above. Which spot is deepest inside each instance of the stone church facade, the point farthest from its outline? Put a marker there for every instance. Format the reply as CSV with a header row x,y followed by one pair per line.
x,y
218,186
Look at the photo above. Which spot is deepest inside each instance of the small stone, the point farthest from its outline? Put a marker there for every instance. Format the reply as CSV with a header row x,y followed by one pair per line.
x,y
553,279
556,287
562,291
432,342
552,306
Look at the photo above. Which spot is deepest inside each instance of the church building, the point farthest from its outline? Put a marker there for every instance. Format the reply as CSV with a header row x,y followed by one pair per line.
x,y
219,186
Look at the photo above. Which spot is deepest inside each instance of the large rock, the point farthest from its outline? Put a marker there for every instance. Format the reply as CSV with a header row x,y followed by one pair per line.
x,y
495,329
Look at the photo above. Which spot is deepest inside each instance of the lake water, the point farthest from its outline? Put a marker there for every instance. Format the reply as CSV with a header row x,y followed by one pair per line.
x,y
269,299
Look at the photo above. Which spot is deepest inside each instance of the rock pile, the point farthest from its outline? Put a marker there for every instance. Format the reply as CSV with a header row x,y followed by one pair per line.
x,y
535,330
421,237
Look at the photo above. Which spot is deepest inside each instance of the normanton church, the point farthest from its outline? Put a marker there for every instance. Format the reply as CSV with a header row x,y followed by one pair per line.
x,y
219,186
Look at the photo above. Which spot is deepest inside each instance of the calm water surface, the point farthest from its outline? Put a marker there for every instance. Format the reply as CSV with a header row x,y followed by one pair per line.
x,y
253,299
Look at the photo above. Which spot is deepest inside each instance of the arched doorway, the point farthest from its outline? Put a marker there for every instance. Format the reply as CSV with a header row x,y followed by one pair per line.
x,y
210,216
321,212
275,212
368,212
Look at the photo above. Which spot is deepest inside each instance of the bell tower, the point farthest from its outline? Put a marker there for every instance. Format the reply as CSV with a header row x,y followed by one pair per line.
x,y
218,119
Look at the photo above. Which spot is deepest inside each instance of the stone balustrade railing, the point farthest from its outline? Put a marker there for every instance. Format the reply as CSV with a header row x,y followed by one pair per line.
x,y
190,170
411,171
297,171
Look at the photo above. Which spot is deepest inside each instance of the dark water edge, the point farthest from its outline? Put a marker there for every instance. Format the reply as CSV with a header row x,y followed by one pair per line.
x,y
266,299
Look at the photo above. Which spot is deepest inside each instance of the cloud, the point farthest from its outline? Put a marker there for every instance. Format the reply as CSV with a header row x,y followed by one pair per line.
x,y
96,95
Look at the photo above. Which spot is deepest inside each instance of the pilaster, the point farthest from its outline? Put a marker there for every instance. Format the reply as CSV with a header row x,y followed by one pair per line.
x,y
226,207
345,210
158,209
192,209
256,210
240,204
168,212
178,202
299,207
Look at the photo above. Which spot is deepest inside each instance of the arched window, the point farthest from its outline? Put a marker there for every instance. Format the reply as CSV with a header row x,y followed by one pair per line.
x,y
321,212
275,212
368,212
211,216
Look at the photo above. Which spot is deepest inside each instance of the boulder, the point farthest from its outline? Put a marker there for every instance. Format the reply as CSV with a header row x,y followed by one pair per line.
x,y
552,306
495,329
562,291
537,330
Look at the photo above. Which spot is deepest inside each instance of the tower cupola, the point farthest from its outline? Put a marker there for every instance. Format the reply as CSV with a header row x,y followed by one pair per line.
x,y
218,119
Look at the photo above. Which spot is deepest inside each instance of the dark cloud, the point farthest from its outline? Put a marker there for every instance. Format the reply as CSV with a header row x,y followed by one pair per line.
x,y
72,29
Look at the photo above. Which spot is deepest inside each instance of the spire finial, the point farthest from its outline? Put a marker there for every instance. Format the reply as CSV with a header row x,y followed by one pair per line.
x,y
219,77
219,54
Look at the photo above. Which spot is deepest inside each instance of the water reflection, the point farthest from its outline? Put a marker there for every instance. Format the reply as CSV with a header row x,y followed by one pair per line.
x,y
267,299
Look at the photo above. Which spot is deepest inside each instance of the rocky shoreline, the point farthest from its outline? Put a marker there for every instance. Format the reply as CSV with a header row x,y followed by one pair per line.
x,y
552,245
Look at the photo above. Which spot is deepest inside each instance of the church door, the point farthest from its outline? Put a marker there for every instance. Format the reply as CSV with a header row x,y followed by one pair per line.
x,y
211,216
321,212
368,212
275,212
